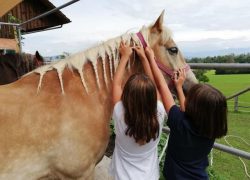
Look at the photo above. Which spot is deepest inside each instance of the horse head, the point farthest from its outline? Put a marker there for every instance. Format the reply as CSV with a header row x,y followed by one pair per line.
x,y
169,57
38,59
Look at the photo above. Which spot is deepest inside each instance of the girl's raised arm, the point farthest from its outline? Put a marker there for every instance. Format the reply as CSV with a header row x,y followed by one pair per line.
x,y
145,63
178,81
125,52
166,95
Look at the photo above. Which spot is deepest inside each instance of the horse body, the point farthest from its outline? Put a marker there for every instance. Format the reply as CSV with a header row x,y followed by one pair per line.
x,y
55,120
44,132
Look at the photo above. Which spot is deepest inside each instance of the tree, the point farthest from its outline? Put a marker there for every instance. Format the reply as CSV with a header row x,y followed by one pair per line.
x,y
200,75
13,19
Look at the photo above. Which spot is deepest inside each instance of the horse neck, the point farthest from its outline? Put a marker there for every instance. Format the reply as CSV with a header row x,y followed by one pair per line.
x,y
103,59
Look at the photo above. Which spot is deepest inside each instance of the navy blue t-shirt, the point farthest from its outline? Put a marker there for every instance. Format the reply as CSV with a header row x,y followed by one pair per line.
x,y
187,152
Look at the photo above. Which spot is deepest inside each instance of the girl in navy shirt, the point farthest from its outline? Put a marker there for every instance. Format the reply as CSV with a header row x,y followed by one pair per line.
x,y
201,117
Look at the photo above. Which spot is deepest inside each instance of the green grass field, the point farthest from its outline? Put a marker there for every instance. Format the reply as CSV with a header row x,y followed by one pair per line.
x,y
231,84
226,166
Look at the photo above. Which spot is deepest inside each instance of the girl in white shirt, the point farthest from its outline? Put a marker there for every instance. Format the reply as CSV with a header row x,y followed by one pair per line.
x,y
138,119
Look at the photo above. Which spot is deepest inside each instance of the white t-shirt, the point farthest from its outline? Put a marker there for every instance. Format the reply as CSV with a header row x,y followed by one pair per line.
x,y
131,161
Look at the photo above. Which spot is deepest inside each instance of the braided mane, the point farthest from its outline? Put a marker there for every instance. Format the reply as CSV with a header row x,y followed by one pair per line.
x,y
108,49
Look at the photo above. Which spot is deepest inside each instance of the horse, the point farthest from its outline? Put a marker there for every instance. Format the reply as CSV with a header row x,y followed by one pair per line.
x,y
14,66
55,120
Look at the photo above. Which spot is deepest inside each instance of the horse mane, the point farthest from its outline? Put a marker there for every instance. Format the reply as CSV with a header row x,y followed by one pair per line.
x,y
76,61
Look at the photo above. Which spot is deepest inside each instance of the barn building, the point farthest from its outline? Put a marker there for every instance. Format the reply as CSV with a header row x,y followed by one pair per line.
x,y
18,11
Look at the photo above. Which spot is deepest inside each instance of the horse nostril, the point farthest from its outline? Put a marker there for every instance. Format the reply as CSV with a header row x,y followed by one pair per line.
x,y
173,50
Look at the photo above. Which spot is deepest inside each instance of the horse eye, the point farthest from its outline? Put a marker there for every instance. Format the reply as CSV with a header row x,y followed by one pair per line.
x,y
172,50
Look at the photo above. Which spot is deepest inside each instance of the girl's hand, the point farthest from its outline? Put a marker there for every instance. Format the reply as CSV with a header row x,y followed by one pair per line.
x,y
125,50
150,53
140,51
179,78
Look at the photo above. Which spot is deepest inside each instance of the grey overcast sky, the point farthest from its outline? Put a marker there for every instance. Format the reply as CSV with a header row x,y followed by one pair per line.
x,y
200,27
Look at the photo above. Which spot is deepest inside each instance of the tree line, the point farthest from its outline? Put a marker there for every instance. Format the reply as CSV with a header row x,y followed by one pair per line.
x,y
231,58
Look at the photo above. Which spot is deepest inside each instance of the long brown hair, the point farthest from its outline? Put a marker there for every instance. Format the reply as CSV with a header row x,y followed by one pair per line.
x,y
139,99
206,108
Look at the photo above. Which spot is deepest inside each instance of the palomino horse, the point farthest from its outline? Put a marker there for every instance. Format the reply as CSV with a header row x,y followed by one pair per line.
x,y
13,66
54,121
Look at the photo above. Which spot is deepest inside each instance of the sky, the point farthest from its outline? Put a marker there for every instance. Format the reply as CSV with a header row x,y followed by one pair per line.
x,y
200,28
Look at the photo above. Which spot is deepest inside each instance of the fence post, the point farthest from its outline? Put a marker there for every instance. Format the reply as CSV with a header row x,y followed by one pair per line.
x,y
236,104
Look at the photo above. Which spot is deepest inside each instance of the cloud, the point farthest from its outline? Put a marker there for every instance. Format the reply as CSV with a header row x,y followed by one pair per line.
x,y
193,22
197,35
214,46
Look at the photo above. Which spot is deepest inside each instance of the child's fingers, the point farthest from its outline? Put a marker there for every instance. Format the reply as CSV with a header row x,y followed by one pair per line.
x,y
180,72
136,47
175,77
124,44
148,49
121,44
184,73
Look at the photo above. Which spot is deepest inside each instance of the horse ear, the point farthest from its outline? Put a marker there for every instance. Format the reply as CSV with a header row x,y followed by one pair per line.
x,y
158,25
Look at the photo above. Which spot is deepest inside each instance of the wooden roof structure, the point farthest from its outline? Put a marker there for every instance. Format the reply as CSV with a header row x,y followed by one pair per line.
x,y
27,9
5,6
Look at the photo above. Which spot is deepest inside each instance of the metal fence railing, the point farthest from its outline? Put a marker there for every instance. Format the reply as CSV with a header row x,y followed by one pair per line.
x,y
224,148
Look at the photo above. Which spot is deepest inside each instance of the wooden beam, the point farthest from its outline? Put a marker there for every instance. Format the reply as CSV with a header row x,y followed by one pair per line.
x,y
6,6
9,44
